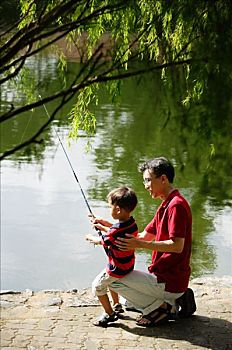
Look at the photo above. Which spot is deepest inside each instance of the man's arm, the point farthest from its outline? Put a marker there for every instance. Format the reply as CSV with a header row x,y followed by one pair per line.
x,y
146,240
173,245
145,236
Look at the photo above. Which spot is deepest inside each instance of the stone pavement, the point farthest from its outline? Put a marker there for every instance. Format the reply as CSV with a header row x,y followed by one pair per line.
x,y
61,320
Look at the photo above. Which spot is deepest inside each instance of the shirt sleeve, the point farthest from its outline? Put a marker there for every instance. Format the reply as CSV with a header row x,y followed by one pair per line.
x,y
151,227
108,238
177,223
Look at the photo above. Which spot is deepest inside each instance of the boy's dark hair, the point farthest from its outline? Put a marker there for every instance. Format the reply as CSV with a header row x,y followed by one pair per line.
x,y
159,166
124,197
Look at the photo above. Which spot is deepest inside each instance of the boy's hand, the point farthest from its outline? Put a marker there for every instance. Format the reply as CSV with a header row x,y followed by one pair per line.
x,y
99,222
101,227
93,239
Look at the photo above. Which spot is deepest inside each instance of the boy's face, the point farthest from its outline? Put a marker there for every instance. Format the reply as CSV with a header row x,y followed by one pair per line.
x,y
114,211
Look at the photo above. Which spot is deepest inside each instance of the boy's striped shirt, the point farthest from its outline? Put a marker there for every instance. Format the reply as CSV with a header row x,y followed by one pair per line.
x,y
120,263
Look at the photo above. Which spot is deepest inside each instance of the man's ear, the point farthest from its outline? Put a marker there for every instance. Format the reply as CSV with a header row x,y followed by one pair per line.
x,y
164,178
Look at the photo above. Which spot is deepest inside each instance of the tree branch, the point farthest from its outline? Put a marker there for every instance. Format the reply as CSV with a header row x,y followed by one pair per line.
x,y
31,139
99,79
17,70
29,37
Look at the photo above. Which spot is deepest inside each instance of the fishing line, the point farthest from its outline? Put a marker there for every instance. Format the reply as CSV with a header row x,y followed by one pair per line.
x,y
74,173
28,122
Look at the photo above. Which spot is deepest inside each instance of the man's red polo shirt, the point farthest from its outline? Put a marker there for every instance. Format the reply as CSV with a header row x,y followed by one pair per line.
x,y
173,219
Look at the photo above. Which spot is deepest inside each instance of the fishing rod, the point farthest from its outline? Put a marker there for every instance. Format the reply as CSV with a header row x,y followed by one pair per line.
x,y
73,171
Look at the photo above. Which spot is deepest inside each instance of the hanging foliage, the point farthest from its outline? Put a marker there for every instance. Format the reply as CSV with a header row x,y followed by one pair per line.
x,y
113,38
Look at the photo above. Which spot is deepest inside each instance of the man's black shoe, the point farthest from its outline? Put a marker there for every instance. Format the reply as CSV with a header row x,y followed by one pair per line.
x,y
186,304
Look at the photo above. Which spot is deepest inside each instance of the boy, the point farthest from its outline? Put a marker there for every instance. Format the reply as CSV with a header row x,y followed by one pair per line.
x,y
122,202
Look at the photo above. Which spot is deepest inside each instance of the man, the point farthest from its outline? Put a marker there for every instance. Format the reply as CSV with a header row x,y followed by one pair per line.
x,y
169,236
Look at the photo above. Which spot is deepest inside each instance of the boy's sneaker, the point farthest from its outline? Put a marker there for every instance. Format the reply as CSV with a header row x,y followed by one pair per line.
x,y
104,319
118,309
186,304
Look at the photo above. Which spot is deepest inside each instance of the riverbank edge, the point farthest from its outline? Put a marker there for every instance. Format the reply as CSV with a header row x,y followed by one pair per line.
x,y
83,297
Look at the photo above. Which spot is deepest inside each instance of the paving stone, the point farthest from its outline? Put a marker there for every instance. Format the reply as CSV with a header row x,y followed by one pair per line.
x,y
45,320
21,341
5,342
7,334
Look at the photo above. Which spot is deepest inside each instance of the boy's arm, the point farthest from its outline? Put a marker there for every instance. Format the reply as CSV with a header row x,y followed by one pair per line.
x,y
101,227
100,223
93,239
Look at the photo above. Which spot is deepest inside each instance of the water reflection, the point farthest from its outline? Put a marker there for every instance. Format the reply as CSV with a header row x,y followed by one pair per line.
x,y
44,217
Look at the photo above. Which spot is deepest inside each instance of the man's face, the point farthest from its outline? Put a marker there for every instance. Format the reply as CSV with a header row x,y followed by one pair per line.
x,y
153,184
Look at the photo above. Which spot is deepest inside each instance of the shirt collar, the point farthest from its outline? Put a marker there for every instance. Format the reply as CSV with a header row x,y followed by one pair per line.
x,y
171,195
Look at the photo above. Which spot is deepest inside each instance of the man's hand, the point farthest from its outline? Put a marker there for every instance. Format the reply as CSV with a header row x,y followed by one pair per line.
x,y
128,243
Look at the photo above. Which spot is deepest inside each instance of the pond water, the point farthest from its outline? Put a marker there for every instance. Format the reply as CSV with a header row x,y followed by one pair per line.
x,y
44,217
